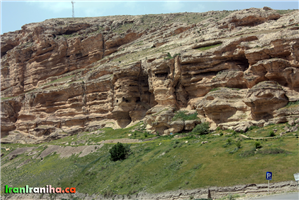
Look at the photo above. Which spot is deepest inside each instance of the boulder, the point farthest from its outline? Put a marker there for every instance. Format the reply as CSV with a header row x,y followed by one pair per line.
x,y
264,98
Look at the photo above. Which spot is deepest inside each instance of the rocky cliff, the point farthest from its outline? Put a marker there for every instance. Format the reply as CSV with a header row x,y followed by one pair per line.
x,y
234,68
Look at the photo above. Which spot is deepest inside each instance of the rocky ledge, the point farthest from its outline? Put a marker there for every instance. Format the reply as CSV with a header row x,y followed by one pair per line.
x,y
234,69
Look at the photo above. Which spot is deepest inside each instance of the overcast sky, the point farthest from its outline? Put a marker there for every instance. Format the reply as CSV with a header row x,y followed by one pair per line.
x,y
14,14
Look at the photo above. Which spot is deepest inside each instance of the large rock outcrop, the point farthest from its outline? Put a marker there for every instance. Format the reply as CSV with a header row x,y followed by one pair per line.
x,y
234,68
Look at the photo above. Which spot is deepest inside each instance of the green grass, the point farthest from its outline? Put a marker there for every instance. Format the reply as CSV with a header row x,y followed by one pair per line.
x,y
292,103
209,47
168,57
5,98
285,11
60,80
159,165
69,36
137,55
265,131
214,89
123,28
182,115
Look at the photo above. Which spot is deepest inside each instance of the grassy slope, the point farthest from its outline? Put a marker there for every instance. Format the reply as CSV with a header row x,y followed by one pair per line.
x,y
159,165
153,167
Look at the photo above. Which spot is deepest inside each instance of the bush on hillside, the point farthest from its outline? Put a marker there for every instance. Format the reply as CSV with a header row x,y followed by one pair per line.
x,y
257,145
247,153
119,152
202,128
238,144
271,134
272,151
182,115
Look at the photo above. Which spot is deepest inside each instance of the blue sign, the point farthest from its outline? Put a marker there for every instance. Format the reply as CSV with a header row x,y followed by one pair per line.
x,y
269,176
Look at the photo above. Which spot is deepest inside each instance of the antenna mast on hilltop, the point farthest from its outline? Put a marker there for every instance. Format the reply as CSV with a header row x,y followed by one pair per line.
x,y
73,9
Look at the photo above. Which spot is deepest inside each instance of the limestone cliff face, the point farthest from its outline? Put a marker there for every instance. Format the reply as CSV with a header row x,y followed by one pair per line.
x,y
235,69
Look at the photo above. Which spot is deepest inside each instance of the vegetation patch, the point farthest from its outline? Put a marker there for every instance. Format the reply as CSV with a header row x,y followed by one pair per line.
x,y
182,115
291,103
281,12
214,89
272,151
162,164
202,128
208,47
247,153
119,152
168,57
60,80
6,98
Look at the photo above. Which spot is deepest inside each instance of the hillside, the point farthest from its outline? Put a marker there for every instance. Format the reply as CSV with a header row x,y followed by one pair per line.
x,y
168,167
148,81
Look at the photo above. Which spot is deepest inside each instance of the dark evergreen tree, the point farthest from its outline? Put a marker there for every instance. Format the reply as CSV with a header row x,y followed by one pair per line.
x,y
119,152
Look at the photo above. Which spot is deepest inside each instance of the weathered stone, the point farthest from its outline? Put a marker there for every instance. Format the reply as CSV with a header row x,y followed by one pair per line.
x,y
190,124
264,98
62,77
242,126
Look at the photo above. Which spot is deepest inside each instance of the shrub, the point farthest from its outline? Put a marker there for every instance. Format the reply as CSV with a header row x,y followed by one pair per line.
x,y
234,133
234,150
252,127
257,145
171,57
272,151
182,115
238,144
119,152
292,103
228,142
271,134
202,128
247,153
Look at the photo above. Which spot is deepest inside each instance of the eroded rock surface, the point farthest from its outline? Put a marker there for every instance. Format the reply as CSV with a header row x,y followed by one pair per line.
x,y
65,76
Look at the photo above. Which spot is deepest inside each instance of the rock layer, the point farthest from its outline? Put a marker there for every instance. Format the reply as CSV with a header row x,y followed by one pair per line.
x,y
234,69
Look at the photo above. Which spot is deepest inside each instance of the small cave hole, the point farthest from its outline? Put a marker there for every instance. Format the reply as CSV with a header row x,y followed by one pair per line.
x,y
68,32
161,75
78,55
137,99
243,62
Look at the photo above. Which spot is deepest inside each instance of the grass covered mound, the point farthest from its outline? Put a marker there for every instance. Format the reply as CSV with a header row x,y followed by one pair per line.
x,y
165,163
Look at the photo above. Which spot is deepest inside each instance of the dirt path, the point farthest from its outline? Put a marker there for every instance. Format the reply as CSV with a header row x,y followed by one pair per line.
x,y
124,140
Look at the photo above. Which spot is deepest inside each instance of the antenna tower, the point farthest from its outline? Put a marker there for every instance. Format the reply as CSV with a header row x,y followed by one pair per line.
x,y
73,9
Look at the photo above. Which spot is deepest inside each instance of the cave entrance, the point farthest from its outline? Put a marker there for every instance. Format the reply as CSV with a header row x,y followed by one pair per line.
x,y
123,118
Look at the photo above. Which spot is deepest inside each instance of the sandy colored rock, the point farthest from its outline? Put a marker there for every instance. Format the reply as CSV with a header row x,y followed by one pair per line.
x,y
264,98
62,76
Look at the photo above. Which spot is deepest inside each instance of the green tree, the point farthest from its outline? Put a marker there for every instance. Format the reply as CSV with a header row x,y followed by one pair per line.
x,y
202,128
119,152
271,134
257,145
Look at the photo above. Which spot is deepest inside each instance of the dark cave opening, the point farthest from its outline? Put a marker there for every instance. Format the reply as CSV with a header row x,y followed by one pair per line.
x,y
243,62
68,32
163,75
